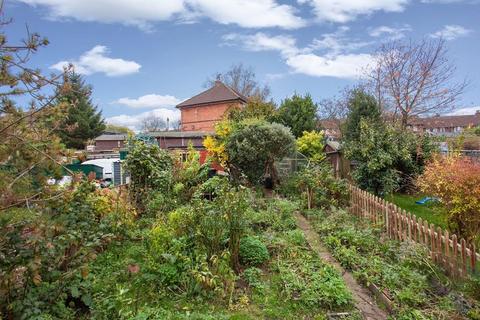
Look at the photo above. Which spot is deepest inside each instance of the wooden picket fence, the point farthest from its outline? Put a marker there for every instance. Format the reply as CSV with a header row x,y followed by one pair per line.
x,y
453,254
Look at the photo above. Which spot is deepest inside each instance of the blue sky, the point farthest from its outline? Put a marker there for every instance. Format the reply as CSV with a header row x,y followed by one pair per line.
x,y
144,56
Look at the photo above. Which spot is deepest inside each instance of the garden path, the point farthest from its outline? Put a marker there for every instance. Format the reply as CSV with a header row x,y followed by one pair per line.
x,y
363,301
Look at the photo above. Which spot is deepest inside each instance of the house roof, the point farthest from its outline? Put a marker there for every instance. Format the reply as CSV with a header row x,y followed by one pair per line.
x,y
447,121
218,93
180,134
111,137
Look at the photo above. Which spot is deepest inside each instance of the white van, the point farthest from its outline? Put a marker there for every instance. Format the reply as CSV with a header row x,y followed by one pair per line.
x,y
106,164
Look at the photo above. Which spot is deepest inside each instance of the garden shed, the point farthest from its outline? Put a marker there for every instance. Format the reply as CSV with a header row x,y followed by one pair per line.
x,y
341,165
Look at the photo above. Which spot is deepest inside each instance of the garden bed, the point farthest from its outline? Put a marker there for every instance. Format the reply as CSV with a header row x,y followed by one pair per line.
x,y
293,283
401,271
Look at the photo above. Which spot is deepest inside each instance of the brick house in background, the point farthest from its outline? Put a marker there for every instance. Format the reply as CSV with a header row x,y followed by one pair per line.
x,y
199,115
444,125
201,112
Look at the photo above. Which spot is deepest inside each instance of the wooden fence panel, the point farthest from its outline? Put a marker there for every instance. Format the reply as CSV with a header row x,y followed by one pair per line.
x,y
456,256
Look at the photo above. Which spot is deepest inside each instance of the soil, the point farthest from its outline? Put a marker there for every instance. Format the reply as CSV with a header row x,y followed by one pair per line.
x,y
364,302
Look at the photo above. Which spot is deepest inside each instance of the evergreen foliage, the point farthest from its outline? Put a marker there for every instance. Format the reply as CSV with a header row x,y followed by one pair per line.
x,y
298,113
253,149
361,106
82,122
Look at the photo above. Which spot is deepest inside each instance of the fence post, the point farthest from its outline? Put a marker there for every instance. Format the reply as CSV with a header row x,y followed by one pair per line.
x,y
473,258
455,254
432,242
386,219
448,262
440,256
464,256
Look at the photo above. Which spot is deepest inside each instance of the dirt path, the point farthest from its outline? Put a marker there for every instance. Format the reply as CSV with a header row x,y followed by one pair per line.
x,y
363,301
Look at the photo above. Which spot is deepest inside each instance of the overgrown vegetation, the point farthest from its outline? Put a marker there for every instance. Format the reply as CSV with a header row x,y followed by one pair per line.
x,y
388,158
402,271
456,182
45,252
180,266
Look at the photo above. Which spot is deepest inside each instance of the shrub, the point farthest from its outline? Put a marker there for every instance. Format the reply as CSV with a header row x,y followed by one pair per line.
x,y
46,247
319,188
456,182
253,252
150,168
311,145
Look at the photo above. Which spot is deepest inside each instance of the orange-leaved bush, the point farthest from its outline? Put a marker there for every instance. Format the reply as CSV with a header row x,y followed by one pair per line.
x,y
455,181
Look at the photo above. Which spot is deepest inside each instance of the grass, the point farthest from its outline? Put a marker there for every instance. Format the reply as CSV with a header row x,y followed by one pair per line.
x,y
433,213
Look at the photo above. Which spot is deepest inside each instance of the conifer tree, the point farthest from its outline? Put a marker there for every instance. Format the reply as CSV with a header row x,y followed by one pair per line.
x,y
82,122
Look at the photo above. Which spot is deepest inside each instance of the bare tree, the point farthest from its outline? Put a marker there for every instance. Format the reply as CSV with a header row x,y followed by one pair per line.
x,y
243,80
414,78
335,108
153,124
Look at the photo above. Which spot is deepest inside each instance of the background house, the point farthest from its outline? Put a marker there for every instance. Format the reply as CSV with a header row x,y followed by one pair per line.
x,y
444,125
201,112
199,115
110,142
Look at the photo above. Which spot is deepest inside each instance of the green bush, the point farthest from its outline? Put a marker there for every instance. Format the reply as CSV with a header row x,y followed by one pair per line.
x,y
317,187
45,251
253,252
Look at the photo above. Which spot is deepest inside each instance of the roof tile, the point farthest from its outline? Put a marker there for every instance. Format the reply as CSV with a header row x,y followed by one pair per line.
x,y
218,93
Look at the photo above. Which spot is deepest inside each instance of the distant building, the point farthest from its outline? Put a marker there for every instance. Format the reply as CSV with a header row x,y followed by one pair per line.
x,y
331,128
109,142
444,125
199,115
171,140
201,112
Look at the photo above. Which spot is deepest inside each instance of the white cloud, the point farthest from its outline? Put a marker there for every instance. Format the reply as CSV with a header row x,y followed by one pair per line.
x,y
149,101
451,32
96,61
143,13
134,122
339,66
346,10
336,58
464,111
337,42
390,33
248,13
442,1
259,41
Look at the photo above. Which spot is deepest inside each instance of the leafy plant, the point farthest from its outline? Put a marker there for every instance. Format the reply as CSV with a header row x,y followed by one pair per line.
x,y
150,169
456,182
253,277
253,252
319,188
312,144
